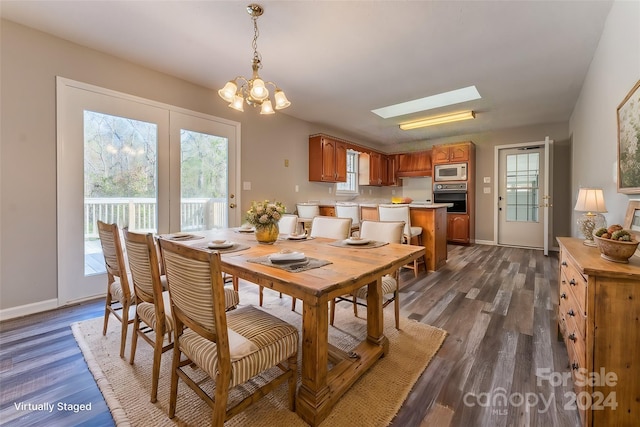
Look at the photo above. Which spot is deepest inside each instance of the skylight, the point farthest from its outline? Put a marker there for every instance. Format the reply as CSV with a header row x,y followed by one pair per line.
x,y
440,100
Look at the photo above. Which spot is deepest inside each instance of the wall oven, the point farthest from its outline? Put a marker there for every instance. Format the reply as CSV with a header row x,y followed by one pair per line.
x,y
450,172
455,193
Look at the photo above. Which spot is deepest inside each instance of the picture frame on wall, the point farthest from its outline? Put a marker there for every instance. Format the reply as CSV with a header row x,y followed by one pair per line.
x,y
629,142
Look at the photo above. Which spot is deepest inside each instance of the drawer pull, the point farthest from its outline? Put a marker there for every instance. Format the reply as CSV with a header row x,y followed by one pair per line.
x,y
571,312
575,366
564,263
563,295
572,337
572,282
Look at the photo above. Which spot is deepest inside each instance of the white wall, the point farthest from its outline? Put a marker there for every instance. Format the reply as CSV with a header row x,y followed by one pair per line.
x,y
615,69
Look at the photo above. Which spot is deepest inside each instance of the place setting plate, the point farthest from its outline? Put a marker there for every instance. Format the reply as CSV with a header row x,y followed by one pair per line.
x,y
225,244
353,241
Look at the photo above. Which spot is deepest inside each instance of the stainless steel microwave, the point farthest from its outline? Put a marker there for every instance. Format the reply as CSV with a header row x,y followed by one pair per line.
x,y
450,172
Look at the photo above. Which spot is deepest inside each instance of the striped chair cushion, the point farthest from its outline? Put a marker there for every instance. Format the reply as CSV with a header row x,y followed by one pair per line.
x,y
275,340
389,286
231,298
116,290
147,313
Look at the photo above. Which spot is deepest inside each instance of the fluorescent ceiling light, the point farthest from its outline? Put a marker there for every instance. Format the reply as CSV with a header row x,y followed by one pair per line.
x,y
441,100
437,120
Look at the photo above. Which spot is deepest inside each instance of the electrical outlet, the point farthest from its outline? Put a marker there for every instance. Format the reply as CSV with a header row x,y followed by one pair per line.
x,y
297,188
487,190
246,185
330,189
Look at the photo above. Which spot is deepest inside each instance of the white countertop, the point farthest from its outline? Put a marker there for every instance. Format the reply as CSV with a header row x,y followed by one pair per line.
x,y
375,204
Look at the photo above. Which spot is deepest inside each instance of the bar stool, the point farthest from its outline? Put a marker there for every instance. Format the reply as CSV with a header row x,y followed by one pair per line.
x,y
349,210
400,212
306,213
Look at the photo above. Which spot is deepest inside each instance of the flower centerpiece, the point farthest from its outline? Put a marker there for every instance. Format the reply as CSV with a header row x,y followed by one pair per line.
x,y
264,216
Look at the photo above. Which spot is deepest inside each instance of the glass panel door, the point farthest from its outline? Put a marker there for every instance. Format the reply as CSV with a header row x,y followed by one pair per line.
x,y
120,185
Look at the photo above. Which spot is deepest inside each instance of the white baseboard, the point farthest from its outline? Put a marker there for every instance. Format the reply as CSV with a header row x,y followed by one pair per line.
x,y
485,242
24,310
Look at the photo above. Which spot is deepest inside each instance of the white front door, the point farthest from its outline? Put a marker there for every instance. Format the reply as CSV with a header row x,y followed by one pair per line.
x,y
521,195
144,165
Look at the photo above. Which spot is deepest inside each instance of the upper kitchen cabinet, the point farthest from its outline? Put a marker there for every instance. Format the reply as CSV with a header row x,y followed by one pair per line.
x,y
327,159
417,163
370,169
451,153
390,170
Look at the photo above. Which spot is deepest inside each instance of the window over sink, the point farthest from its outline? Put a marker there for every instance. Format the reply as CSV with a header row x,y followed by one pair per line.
x,y
350,187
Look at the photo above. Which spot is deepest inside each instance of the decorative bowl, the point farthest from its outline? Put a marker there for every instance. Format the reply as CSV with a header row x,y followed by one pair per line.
x,y
615,250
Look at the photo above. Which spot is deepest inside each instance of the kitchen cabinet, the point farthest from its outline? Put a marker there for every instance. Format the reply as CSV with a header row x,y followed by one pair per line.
x,y
370,169
390,171
599,320
458,228
451,153
417,163
327,159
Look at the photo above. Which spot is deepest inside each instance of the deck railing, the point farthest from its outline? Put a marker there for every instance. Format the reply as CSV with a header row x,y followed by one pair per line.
x,y
140,214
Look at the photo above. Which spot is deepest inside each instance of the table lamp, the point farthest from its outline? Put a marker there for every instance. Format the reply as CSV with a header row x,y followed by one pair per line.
x,y
590,201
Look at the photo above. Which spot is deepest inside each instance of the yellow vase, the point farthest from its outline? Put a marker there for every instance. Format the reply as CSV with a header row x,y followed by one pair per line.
x,y
267,234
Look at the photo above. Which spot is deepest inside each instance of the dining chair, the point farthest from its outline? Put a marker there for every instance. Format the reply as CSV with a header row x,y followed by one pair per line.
x,y
400,212
230,347
380,231
153,309
288,224
306,213
349,210
120,294
330,227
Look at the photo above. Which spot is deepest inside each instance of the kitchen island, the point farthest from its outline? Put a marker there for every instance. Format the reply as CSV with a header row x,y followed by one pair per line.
x,y
432,217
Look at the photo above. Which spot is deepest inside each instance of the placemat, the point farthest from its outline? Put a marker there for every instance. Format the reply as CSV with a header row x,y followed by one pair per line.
x,y
294,267
235,248
370,245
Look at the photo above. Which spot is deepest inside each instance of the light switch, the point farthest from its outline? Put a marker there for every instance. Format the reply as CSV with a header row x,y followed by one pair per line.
x,y
487,180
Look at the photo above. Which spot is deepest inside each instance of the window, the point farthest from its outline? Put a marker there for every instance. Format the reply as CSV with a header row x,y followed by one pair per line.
x,y
350,187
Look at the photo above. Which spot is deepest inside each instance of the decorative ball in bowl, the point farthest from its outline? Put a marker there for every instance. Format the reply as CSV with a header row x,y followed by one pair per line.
x,y
615,244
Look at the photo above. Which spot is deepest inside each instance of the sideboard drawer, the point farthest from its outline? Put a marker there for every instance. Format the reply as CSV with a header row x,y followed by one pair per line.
x,y
576,282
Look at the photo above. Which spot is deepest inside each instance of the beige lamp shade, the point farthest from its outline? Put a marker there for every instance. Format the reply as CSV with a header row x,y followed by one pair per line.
x,y
590,200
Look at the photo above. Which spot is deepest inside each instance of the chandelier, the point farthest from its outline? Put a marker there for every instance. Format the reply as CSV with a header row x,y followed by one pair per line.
x,y
253,90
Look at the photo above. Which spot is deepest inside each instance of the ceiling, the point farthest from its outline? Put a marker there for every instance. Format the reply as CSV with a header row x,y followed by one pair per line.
x,y
338,60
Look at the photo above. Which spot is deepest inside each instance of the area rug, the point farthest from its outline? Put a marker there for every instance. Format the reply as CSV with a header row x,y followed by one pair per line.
x,y
372,401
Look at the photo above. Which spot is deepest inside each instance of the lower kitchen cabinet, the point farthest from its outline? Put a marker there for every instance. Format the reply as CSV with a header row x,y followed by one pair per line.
x,y
458,228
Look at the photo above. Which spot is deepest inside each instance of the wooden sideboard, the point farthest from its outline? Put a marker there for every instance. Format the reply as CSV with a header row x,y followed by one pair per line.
x,y
599,319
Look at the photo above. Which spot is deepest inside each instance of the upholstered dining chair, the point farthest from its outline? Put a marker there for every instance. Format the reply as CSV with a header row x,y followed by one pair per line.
x,y
120,294
231,347
349,210
153,309
288,224
380,231
400,212
330,227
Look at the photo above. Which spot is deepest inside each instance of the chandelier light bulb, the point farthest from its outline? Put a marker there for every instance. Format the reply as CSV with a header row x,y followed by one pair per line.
x,y
228,91
258,90
267,108
281,100
238,103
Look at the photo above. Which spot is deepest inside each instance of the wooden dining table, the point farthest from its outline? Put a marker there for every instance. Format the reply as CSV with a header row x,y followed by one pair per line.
x,y
327,372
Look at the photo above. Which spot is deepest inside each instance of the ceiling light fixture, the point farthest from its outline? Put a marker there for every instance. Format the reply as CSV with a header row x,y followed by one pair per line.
x,y
253,90
438,120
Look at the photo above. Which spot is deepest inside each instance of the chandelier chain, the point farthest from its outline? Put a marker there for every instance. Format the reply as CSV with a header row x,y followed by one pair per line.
x,y
257,58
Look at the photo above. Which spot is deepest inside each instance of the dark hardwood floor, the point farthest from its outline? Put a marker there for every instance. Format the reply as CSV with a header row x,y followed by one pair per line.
x,y
496,303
